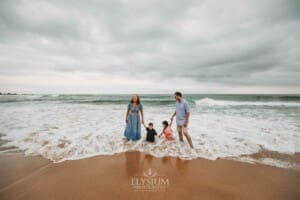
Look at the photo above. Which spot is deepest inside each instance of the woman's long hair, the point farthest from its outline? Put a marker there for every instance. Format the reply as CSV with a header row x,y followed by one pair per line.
x,y
137,101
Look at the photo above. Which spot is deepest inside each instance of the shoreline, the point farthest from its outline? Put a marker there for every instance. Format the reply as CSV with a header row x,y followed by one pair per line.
x,y
118,176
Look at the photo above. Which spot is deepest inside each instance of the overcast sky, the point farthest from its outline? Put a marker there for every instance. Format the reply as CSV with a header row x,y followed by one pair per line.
x,y
135,46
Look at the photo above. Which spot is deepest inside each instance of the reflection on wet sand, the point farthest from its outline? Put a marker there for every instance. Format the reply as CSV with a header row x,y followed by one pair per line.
x,y
181,165
133,162
114,177
137,162
148,159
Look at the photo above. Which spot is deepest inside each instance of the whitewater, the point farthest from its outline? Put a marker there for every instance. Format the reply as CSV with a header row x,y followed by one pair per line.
x,y
70,127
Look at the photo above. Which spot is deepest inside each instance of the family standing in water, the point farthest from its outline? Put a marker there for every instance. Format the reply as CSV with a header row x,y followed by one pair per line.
x,y
135,117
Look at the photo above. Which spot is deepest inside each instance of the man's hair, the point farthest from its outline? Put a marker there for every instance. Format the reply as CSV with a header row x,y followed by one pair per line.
x,y
179,94
150,124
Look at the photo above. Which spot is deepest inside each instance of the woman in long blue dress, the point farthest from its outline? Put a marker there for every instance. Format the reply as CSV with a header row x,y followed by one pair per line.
x,y
133,119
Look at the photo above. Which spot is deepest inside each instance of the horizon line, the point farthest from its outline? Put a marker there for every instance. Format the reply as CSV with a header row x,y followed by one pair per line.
x,y
129,93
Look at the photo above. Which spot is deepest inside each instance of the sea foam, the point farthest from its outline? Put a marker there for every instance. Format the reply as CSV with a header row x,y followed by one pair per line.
x,y
213,102
67,131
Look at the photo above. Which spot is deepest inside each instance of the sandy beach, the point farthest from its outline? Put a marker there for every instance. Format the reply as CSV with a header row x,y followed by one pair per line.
x,y
120,177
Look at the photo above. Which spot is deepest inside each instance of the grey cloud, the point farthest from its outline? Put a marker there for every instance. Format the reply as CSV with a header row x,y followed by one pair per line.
x,y
245,43
13,26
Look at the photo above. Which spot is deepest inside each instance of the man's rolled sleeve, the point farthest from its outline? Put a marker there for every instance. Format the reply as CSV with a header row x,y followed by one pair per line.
x,y
187,107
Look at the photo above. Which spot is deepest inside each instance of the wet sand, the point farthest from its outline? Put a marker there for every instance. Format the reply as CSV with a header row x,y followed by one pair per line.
x,y
124,175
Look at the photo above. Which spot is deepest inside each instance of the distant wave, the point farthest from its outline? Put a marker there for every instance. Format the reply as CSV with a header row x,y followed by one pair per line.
x,y
159,100
83,99
213,102
116,101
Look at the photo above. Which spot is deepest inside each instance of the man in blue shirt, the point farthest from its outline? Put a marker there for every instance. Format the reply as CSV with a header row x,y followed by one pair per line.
x,y
182,114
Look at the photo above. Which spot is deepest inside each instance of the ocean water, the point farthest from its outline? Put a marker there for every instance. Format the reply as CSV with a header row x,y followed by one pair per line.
x,y
68,127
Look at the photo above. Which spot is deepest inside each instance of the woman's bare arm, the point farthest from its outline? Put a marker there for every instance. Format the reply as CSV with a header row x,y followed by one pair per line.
x,y
142,113
127,113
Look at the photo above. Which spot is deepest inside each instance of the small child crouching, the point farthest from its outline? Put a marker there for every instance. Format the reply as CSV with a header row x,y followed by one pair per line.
x,y
150,132
167,130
